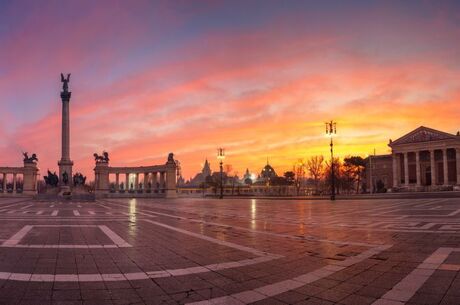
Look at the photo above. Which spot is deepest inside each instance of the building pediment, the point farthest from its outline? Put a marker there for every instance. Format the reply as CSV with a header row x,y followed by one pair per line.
x,y
423,134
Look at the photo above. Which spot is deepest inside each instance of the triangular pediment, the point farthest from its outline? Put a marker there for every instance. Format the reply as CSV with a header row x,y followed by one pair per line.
x,y
424,134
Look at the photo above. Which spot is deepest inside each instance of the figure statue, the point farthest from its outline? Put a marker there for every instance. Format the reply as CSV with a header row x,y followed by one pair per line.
x,y
170,157
65,178
65,82
106,156
51,179
103,158
79,179
29,159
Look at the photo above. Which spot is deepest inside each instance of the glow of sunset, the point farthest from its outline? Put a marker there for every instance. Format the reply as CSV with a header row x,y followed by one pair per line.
x,y
259,78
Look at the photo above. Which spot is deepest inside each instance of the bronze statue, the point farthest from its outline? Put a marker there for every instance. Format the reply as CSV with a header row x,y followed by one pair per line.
x,y
51,179
28,159
65,82
65,178
170,157
104,158
79,179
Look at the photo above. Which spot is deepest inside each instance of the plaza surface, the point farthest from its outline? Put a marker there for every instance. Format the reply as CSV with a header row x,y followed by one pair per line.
x,y
231,251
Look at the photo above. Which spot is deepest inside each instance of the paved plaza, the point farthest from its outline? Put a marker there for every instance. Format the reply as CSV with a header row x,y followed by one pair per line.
x,y
231,251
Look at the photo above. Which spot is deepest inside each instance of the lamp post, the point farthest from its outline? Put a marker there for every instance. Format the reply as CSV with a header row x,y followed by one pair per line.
x,y
221,157
331,130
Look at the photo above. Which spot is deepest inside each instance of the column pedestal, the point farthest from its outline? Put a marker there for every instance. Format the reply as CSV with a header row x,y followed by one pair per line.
x,y
30,178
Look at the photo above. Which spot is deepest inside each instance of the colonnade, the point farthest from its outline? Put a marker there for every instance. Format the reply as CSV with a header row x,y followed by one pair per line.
x,y
157,179
29,175
4,184
401,173
154,181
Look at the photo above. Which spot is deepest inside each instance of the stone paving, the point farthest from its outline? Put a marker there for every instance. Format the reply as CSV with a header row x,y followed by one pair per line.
x,y
231,251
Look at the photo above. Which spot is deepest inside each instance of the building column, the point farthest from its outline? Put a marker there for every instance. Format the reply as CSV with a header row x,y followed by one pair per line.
x,y
457,163
154,180
146,181
433,167
406,170
117,182
162,180
14,183
136,182
417,169
127,186
445,167
395,171
4,183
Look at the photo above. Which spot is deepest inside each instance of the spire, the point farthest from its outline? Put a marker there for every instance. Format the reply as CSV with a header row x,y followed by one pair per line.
x,y
206,171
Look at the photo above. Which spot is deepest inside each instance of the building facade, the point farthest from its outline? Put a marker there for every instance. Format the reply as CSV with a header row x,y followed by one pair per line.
x,y
423,160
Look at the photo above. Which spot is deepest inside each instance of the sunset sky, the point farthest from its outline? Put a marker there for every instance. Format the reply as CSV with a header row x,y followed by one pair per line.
x,y
259,78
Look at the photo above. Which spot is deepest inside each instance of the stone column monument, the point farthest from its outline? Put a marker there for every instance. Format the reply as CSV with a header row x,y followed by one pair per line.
x,y
101,171
30,176
171,170
65,164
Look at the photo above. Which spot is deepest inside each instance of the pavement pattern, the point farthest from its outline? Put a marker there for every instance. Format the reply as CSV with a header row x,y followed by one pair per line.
x,y
231,251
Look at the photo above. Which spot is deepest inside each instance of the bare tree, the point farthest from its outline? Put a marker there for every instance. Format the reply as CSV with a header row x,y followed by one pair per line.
x,y
299,171
315,166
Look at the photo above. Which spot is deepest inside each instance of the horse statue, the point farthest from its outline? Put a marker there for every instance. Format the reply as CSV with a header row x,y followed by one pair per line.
x,y
28,159
103,158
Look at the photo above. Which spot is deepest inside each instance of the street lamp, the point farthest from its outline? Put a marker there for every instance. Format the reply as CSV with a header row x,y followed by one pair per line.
x,y
331,130
221,157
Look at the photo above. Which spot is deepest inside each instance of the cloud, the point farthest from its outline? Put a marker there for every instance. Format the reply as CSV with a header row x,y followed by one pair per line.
x,y
142,88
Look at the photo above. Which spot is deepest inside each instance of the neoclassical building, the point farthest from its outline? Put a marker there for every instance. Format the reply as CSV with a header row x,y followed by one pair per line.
x,y
425,159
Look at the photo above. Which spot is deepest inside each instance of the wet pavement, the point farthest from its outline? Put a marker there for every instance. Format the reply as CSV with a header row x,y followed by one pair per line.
x,y
231,251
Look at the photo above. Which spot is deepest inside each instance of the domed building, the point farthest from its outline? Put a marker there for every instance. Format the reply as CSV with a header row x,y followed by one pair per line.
x,y
267,174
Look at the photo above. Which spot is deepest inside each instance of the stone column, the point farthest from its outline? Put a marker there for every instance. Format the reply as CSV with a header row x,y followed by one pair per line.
x,y
14,182
4,183
65,164
136,182
162,180
433,167
445,167
395,171
154,180
117,182
127,182
417,168
406,169
146,181
457,163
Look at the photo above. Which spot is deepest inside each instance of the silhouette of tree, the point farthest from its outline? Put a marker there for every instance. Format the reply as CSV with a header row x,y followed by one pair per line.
x,y
315,167
299,171
356,166
290,177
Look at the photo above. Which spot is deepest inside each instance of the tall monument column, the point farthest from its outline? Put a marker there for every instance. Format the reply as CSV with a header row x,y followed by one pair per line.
x,y
65,164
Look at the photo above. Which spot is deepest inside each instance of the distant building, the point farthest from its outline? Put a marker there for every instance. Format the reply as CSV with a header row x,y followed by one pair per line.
x,y
247,176
201,177
423,160
266,175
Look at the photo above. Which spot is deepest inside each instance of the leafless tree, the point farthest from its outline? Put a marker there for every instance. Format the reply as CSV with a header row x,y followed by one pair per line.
x,y
299,171
315,166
